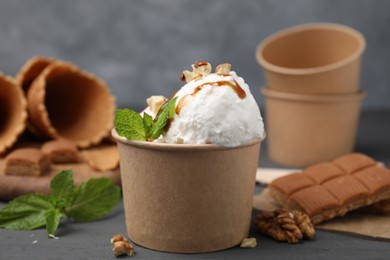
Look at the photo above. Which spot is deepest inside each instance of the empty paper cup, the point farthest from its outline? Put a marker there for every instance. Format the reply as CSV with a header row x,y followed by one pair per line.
x,y
64,102
313,59
13,112
308,129
185,198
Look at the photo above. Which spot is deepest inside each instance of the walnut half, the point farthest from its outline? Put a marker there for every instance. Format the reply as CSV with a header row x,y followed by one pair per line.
x,y
285,225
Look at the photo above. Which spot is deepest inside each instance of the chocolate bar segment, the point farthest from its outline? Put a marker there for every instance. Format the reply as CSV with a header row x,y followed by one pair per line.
x,y
323,172
292,183
314,200
351,163
346,189
376,178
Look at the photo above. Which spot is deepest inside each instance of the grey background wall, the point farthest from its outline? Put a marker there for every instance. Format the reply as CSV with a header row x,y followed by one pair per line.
x,y
141,47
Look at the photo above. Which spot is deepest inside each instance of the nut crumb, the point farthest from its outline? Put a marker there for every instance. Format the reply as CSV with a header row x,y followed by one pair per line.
x,y
249,243
118,237
155,103
199,69
123,248
203,68
222,69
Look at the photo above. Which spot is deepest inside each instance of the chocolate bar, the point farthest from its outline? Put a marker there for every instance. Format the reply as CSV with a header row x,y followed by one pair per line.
x,y
330,189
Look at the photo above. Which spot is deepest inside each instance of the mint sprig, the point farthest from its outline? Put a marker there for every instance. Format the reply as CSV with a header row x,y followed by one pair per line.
x,y
130,124
90,201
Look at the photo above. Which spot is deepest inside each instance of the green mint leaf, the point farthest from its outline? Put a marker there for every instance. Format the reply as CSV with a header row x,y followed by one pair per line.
x,y
162,118
93,199
148,121
62,189
25,212
129,124
52,217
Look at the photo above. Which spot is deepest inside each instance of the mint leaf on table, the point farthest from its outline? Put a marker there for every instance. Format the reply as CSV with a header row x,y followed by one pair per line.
x,y
62,189
162,118
53,217
25,212
93,200
133,126
90,201
129,124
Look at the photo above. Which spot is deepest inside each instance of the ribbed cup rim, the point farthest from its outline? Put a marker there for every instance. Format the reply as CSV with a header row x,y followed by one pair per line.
x,y
177,147
305,27
312,98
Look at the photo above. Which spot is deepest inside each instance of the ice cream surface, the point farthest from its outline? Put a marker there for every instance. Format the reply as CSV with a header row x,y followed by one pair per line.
x,y
214,108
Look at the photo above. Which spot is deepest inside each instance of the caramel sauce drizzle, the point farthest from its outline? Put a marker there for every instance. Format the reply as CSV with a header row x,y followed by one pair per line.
x,y
185,99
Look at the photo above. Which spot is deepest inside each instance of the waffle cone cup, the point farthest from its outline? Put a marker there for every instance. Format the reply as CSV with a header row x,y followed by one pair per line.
x,y
65,102
13,112
319,58
31,70
185,198
307,129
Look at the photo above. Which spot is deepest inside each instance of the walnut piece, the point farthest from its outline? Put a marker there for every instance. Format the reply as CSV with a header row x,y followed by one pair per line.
x,y
188,76
118,237
222,69
249,243
155,103
285,225
203,68
199,69
123,248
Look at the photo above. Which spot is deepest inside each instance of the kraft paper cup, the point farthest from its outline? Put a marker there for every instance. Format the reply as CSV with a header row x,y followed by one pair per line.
x,y
13,113
65,102
187,198
312,59
308,129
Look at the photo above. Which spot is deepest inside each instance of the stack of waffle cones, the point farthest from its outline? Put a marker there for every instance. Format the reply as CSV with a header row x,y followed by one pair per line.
x,y
54,99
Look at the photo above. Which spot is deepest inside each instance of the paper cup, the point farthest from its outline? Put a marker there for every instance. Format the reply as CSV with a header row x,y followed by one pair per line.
x,y
306,129
313,59
13,112
187,198
64,102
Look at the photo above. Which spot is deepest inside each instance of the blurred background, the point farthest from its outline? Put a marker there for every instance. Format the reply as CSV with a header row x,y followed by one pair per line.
x,y
140,47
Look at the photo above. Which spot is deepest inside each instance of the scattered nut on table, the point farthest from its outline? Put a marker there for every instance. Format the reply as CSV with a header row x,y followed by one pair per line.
x,y
285,225
122,246
118,237
249,243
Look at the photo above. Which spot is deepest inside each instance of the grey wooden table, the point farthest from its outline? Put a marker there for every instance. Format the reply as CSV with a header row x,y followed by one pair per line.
x,y
91,240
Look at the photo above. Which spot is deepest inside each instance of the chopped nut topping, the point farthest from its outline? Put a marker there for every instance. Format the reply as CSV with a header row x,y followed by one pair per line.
x,y
118,237
199,69
123,248
203,68
285,225
188,76
222,69
249,243
155,103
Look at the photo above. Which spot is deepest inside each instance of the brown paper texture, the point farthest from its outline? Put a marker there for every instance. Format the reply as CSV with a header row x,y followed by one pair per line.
x,y
187,198
314,58
354,222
